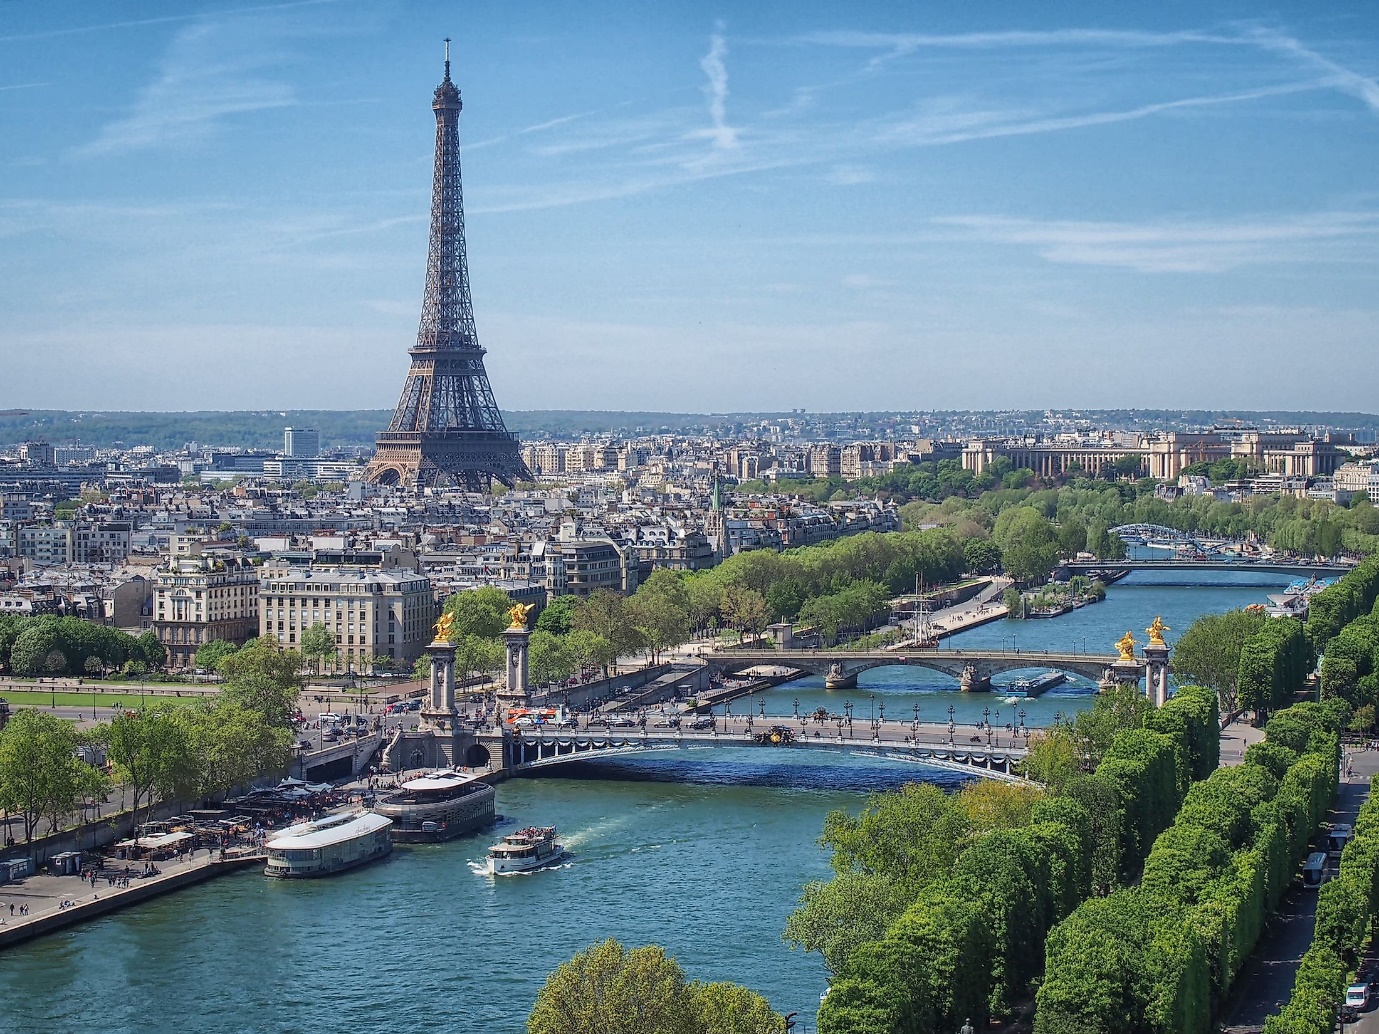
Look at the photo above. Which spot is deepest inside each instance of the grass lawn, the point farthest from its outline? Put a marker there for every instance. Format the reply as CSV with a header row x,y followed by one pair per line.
x,y
114,701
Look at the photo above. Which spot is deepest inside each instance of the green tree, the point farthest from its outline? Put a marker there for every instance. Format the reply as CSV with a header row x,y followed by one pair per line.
x,y
745,610
475,656
151,650
725,1008
211,654
548,658
604,613
1028,543
589,649
1208,653
151,754
558,616
981,556
837,917
229,745
482,612
264,656
1054,759
318,644
607,989
38,773
907,836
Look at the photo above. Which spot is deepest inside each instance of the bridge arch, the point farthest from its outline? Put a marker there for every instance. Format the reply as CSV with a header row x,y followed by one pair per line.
x,y
527,752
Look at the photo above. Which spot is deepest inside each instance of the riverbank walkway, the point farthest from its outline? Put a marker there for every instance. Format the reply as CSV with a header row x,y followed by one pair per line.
x,y
42,904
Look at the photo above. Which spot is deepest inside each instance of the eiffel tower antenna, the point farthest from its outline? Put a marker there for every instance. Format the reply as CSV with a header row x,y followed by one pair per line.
x,y
447,427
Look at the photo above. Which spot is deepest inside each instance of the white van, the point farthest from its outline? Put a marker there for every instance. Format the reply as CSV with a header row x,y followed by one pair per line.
x,y
1336,839
1314,869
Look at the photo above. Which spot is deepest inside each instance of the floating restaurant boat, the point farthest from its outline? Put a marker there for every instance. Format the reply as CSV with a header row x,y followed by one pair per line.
x,y
438,806
527,849
329,845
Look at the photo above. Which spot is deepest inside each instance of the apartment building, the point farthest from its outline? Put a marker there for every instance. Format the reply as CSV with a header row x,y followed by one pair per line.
x,y
199,598
374,610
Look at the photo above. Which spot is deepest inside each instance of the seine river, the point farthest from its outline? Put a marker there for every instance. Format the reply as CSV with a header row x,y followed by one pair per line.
x,y
703,852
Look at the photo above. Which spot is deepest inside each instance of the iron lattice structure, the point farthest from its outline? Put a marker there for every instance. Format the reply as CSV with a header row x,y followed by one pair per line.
x,y
447,427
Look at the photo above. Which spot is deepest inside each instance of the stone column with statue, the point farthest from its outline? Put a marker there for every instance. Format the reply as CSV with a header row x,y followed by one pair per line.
x,y
515,691
1156,663
439,712
1126,669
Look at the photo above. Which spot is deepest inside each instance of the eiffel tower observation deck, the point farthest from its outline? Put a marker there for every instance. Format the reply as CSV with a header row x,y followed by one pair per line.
x,y
446,429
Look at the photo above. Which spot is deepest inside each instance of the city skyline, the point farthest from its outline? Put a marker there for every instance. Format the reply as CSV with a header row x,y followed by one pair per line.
x,y
227,208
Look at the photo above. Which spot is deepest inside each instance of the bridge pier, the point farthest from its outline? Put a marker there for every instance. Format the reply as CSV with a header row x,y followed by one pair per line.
x,y
839,678
973,681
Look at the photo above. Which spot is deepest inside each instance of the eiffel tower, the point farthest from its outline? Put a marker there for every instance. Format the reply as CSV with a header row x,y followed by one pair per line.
x,y
447,427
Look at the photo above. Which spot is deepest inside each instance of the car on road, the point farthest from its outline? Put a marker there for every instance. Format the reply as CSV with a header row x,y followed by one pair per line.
x,y
668,723
1357,996
303,745
621,721
702,723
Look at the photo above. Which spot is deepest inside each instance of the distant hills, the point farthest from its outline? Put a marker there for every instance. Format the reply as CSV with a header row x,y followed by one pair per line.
x,y
262,429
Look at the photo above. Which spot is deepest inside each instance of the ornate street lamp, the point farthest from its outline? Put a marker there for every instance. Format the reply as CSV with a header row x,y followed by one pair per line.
x,y
950,725
915,708
797,707
986,713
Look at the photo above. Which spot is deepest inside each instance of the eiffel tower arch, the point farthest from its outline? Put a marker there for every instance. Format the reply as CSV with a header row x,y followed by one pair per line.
x,y
446,428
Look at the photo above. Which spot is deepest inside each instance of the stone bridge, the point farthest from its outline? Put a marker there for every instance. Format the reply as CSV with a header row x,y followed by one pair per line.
x,y
972,668
985,755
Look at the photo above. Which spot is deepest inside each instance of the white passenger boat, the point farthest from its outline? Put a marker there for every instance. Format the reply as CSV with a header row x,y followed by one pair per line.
x,y
527,849
329,845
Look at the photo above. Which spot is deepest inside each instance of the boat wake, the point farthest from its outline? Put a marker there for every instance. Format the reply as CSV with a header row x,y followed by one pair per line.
x,y
565,860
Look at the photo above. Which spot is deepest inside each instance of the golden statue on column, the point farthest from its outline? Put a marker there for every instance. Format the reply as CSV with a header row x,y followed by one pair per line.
x,y
1156,632
1126,646
518,615
443,627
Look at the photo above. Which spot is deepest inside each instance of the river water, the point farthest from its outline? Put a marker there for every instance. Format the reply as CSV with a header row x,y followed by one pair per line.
x,y
703,852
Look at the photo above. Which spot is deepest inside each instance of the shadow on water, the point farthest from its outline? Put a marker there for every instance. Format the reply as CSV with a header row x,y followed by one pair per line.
x,y
855,774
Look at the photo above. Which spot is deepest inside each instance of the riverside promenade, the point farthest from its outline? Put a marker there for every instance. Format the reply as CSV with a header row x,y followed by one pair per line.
x,y
45,904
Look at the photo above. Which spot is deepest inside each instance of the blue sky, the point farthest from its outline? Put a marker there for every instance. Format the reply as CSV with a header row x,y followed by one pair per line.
x,y
692,207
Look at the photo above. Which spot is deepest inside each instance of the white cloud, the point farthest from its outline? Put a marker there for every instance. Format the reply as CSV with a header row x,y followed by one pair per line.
x,y
864,282
850,175
724,136
210,72
1185,247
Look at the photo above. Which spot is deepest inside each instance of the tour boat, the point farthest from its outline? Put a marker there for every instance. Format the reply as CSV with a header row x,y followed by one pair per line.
x,y
438,806
329,845
527,849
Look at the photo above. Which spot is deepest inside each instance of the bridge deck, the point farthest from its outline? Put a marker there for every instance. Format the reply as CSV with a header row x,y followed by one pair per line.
x,y
995,755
